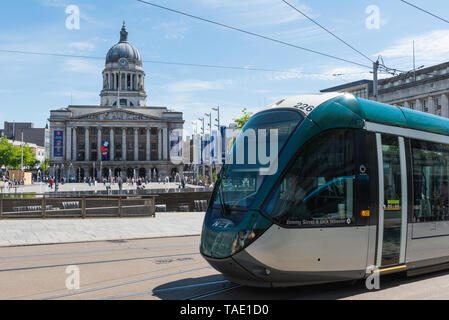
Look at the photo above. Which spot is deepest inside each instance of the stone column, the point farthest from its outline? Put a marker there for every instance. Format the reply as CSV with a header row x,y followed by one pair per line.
x,y
431,105
111,144
136,144
86,142
165,143
159,144
406,105
99,144
148,147
68,144
444,105
75,147
419,105
123,144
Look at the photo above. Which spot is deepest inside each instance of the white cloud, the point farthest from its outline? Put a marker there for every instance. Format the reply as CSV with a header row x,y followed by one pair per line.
x,y
81,66
322,73
82,46
172,30
197,85
258,12
430,48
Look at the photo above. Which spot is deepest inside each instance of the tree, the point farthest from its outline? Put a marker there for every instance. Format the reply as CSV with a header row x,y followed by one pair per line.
x,y
11,155
45,165
244,119
7,153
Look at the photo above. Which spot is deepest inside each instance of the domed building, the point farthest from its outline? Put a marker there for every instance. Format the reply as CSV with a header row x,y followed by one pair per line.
x,y
123,76
122,136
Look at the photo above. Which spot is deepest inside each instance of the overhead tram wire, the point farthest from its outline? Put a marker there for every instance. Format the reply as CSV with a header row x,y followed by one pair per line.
x,y
254,34
328,31
382,67
173,63
421,9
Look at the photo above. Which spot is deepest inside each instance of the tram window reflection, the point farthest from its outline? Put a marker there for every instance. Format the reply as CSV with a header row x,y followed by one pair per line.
x,y
318,188
430,181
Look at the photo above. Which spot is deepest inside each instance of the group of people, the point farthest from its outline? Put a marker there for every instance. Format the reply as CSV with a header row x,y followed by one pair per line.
x,y
7,184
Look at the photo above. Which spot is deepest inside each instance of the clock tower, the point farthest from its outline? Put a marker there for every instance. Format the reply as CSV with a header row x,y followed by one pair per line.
x,y
123,76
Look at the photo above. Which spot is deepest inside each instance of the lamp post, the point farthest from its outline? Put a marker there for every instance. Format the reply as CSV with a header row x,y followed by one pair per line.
x,y
219,147
202,148
209,149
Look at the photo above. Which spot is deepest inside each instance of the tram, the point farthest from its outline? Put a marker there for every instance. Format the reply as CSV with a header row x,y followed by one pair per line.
x,y
358,187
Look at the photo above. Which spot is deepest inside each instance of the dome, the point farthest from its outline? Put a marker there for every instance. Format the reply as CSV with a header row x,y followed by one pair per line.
x,y
124,49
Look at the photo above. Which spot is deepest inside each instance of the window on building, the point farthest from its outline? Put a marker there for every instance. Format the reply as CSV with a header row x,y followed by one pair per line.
x,y
362,93
411,105
425,107
430,181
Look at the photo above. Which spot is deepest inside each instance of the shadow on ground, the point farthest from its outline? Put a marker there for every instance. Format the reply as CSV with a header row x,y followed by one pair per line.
x,y
216,288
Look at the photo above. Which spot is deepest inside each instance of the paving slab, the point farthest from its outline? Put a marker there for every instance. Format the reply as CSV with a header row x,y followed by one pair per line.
x,y
50,231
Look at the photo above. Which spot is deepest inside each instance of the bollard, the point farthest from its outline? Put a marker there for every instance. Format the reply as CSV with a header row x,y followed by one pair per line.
x,y
44,207
83,207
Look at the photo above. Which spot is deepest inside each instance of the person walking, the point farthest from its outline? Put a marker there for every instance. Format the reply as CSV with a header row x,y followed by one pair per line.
x,y
120,183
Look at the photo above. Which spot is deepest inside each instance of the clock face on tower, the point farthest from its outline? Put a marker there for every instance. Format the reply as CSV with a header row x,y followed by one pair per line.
x,y
123,62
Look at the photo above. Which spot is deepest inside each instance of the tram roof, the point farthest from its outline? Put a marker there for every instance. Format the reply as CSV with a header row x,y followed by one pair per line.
x,y
329,110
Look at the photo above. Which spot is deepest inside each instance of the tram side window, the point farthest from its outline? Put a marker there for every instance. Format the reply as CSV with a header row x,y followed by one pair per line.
x,y
318,189
430,181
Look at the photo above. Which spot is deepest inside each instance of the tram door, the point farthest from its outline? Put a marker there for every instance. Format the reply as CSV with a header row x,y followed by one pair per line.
x,y
392,224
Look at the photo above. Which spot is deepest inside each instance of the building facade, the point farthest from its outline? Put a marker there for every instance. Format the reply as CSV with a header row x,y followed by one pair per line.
x,y
120,137
424,90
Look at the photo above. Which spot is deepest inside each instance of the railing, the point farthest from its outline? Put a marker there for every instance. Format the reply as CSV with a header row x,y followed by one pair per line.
x,y
77,207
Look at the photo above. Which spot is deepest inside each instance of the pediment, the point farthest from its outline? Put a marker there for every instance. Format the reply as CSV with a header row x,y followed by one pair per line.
x,y
116,115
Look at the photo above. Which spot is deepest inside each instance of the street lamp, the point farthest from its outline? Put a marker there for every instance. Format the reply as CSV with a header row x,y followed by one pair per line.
x,y
210,121
218,117
202,148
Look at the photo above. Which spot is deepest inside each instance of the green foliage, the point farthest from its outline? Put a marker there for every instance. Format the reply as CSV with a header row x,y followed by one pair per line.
x,y
11,155
214,177
45,166
244,119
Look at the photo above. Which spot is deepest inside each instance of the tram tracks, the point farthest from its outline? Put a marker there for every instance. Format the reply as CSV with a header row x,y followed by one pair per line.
x,y
80,252
125,283
97,262
221,283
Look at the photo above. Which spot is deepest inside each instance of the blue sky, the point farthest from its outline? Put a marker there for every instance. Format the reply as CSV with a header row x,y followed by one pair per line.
x,y
32,85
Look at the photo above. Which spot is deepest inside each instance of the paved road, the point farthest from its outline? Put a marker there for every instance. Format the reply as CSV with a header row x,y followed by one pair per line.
x,y
167,268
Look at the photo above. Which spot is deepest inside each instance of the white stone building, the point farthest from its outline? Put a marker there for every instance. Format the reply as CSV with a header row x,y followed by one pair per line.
x,y
424,90
120,137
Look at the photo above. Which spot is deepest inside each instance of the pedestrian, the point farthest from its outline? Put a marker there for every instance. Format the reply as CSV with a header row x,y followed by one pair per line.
x,y
120,183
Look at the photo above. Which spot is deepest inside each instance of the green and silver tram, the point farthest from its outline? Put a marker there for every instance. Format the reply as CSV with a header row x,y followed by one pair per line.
x,y
358,186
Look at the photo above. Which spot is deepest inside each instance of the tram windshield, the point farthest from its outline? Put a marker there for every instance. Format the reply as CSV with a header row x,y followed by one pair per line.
x,y
241,179
318,188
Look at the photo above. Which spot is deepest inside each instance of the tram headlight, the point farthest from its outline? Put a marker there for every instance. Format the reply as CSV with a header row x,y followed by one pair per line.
x,y
244,238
